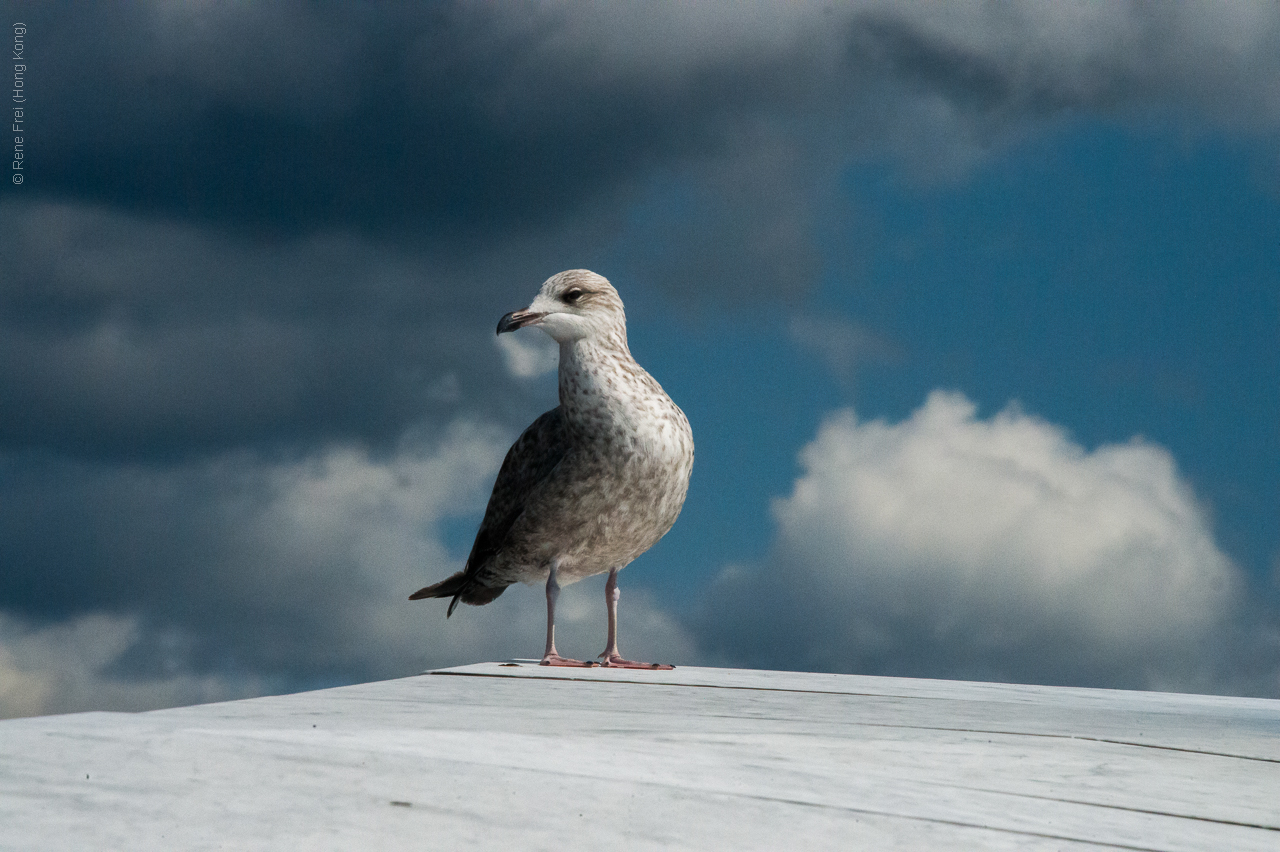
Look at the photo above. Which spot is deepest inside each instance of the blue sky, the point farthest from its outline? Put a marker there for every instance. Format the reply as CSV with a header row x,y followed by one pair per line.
x,y
975,312
1117,282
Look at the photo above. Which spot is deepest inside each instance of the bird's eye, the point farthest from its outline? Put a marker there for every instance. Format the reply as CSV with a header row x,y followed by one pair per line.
x,y
572,295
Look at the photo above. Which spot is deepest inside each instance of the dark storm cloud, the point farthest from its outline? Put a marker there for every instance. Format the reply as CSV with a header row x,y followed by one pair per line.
x,y
129,335
455,126
461,118
445,118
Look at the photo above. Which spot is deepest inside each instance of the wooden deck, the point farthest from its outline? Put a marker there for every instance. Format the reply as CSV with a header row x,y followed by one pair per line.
x,y
503,756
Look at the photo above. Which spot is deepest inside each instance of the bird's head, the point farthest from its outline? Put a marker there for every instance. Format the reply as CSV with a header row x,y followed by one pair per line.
x,y
573,305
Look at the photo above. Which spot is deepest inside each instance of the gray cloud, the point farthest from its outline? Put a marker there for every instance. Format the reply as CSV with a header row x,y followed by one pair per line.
x,y
125,335
217,578
844,346
463,118
266,539
116,662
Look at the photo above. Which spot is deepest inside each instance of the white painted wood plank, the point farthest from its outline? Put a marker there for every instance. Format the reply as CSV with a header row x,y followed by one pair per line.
x,y
1246,727
505,757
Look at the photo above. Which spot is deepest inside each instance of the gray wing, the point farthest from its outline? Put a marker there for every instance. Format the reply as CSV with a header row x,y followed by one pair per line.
x,y
529,461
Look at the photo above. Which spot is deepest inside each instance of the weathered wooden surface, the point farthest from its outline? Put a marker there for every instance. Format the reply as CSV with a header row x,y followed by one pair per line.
x,y
522,757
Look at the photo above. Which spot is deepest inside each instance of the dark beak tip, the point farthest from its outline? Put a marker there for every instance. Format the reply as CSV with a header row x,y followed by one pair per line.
x,y
518,319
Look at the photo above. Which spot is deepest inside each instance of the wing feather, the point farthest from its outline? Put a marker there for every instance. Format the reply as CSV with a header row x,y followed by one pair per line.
x,y
529,461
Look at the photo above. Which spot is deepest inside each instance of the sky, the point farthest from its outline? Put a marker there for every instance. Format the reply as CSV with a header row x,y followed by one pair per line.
x,y
974,310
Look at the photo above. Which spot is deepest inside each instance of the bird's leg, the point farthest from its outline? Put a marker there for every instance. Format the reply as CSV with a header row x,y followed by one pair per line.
x,y
551,657
611,657
611,595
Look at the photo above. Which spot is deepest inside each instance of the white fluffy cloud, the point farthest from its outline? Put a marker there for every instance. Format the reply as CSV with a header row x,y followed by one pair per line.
x,y
952,545
68,666
361,533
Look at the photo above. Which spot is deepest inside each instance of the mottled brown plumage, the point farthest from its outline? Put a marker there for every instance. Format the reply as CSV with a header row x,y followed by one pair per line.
x,y
594,482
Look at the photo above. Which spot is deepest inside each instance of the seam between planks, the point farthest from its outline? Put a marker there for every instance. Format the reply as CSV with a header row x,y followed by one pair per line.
x,y
1127,808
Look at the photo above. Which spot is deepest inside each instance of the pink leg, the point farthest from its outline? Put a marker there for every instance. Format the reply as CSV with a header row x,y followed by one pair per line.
x,y
611,657
550,657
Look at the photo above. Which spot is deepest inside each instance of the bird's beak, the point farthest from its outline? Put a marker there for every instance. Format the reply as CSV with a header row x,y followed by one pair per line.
x,y
519,319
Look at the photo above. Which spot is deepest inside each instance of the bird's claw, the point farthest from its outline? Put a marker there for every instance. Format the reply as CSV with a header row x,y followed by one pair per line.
x,y
557,660
614,661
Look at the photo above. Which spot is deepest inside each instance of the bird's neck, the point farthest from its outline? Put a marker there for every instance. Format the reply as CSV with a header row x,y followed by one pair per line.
x,y
598,378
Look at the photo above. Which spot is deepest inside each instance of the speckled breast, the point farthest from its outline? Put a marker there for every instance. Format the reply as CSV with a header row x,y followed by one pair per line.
x,y
611,498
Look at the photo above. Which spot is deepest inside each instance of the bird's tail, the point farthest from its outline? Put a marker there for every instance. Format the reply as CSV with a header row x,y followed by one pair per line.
x,y
461,587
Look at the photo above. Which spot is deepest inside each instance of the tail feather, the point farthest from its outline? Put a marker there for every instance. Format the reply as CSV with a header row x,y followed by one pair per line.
x,y
445,588
461,587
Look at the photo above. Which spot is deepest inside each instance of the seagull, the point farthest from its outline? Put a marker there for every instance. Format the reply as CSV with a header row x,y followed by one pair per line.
x,y
591,484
